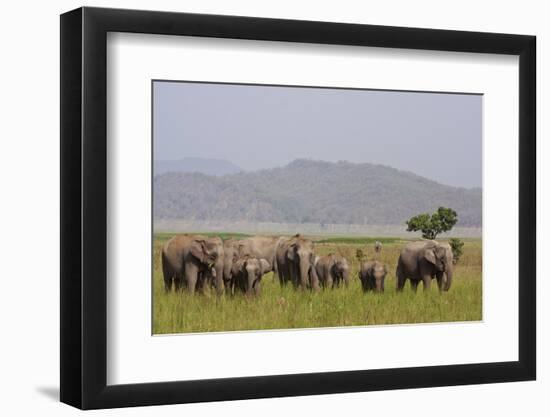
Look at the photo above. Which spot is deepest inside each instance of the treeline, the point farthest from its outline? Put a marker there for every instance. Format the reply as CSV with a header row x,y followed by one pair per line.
x,y
311,192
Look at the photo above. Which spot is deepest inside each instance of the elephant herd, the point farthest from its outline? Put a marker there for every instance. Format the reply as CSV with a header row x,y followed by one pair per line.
x,y
198,262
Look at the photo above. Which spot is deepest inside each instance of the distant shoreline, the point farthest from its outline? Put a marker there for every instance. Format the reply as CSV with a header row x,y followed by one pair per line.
x,y
181,225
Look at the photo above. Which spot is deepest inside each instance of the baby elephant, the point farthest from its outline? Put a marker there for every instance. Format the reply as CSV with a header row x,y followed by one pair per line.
x,y
332,270
372,276
247,273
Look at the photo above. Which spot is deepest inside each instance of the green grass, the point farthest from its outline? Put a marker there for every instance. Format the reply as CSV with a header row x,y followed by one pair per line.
x,y
357,240
163,237
285,308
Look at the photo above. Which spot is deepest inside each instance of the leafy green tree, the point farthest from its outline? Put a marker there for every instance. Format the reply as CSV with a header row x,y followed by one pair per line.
x,y
456,247
441,221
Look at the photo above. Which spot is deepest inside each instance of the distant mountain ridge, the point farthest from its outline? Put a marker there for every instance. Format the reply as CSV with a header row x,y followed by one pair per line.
x,y
208,166
306,191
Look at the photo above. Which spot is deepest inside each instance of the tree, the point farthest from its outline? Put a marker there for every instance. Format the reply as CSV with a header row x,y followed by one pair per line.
x,y
441,221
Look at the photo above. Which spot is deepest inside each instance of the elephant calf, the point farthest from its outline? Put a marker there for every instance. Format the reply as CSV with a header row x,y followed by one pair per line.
x,y
247,273
332,270
372,276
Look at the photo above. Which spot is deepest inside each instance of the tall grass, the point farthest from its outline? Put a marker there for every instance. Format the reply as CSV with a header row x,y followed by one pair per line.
x,y
285,308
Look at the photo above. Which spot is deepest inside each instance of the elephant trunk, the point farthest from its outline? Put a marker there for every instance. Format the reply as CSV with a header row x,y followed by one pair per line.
x,y
449,280
227,270
250,285
345,276
218,279
304,272
314,279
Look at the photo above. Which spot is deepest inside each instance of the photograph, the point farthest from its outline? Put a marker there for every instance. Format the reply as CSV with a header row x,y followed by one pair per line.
x,y
306,208
292,207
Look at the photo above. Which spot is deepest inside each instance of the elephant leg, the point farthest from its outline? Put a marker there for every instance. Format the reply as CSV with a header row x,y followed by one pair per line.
x,y
329,282
243,285
296,278
167,284
203,283
414,285
283,275
400,279
280,275
257,288
227,285
333,278
294,275
240,283
200,286
286,277
313,279
178,281
440,281
167,274
191,277
426,280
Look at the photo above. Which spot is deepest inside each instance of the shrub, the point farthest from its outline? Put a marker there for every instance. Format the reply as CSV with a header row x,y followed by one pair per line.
x,y
456,246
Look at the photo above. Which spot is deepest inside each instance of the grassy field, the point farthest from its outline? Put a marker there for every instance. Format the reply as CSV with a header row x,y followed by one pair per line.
x,y
287,308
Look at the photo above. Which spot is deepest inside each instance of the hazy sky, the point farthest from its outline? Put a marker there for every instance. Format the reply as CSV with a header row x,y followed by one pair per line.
x,y
438,136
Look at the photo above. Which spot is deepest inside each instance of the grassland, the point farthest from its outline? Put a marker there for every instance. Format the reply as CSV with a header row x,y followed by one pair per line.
x,y
285,308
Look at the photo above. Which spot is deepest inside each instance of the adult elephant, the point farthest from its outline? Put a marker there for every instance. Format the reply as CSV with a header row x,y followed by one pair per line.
x,y
186,259
261,247
230,256
247,274
332,270
423,261
295,261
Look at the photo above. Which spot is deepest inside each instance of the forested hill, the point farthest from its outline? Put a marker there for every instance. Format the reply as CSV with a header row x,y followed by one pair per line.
x,y
217,167
306,191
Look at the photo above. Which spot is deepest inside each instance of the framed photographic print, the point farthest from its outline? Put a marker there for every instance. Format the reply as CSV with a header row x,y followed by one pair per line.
x,y
257,207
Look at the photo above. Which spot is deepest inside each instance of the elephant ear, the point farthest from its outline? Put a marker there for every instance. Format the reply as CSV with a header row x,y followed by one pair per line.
x,y
198,250
265,267
291,252
429,255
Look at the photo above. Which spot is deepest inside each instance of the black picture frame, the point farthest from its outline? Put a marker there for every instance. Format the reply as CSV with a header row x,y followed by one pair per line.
x,y
84,207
